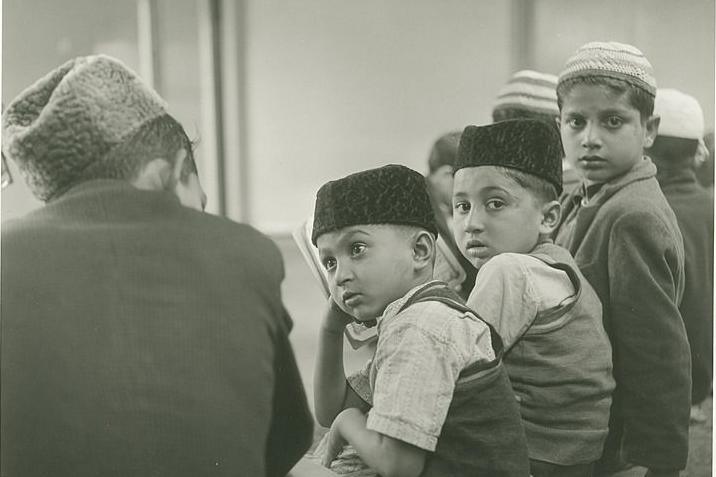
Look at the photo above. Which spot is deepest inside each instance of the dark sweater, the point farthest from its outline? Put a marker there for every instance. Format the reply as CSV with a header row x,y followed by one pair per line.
x,y
140,337
627,243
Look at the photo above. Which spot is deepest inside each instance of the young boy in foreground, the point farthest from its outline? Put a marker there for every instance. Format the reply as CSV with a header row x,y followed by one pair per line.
x,y
625,239
508,176
436,399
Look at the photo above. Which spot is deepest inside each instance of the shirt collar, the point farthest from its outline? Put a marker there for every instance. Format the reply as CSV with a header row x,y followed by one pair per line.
x,y
394,307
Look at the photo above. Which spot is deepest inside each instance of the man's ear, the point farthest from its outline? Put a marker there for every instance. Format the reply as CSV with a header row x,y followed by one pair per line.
x,y
423,249
445,170
178,164
156,174
652,129
551,214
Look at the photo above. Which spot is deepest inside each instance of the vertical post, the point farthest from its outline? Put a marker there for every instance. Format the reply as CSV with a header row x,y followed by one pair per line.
x,y
148,43
212,168
522,34
233,55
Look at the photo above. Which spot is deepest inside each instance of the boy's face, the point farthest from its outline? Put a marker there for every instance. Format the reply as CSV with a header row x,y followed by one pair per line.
x,y
602,133
493,214
369,266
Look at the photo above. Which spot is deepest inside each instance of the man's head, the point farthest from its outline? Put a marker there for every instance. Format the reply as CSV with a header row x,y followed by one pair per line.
x,y
507,180
681,131
440,166
606,99
94,118
375,232
528,94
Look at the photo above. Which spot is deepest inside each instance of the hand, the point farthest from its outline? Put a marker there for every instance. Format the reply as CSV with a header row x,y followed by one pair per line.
x,y
335,319
336,440
334,444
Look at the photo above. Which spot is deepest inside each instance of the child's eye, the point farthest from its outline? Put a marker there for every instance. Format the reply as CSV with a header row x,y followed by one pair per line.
x,y
575,123
462,207
357,248
494,204
329,263
614,122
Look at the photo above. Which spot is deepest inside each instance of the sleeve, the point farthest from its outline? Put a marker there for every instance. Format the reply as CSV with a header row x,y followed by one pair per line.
x,y
359,382
505,297
652,361
291,431
416,373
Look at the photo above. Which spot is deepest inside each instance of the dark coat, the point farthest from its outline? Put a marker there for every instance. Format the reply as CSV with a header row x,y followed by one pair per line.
x,y
140,337
627,244
694,209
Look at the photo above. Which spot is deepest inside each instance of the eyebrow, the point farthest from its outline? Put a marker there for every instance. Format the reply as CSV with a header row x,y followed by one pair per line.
x,y
484,190
577,112
614,111
347,237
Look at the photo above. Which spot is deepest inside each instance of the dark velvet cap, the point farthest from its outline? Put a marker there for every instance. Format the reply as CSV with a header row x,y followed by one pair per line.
x,y
391,194
528,145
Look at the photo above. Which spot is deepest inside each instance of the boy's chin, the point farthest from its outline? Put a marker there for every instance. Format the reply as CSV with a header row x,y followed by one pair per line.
x,y
477,262
365,316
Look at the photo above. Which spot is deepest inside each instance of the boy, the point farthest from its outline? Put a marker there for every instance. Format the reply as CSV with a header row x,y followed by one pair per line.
x,y
674,152
437,400
626,241
441,163
531,94
507,180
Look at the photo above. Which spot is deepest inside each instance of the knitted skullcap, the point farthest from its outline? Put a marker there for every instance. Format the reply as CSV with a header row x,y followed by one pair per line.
x,y
72,117
390,194
444,151
528,145
681,114
529,91
612,60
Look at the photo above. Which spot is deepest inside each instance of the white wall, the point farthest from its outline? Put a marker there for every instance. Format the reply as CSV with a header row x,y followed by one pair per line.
x,y
336,87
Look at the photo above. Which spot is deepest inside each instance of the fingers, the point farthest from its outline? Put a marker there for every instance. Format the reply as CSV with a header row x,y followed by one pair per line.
x,y
334,445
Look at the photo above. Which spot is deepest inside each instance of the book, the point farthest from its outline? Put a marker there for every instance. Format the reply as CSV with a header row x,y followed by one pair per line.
x,y
447,269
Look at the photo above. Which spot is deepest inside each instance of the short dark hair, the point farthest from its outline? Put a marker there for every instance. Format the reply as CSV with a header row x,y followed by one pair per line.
x,y
544,190
444,151
637,97
161,137
673,152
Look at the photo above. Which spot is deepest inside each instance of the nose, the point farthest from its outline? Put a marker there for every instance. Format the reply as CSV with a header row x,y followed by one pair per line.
x,y
473,221
344,273
590,136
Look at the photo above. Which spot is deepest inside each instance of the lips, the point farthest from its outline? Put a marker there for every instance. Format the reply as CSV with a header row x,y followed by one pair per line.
x,y
592,161
476,248
350,299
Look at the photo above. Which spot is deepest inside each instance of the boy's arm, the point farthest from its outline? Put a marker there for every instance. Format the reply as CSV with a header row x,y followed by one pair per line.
x,y
652,361
505,296
387,456
331,393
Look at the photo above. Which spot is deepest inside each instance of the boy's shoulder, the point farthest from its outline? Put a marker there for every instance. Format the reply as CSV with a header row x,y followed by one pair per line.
x,y
433,317
635,196
510,266
638,210
641,201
